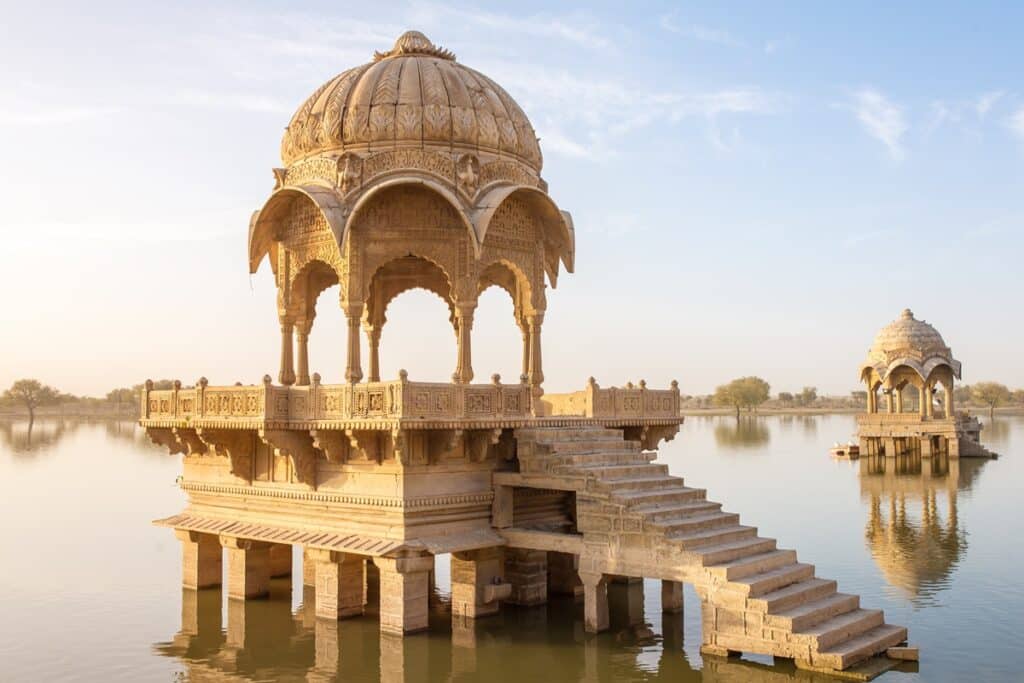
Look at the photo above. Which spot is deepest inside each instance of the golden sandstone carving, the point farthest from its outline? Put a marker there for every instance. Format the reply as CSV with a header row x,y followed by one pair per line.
x,y
414,171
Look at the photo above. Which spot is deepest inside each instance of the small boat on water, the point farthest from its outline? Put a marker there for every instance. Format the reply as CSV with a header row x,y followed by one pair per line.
x,y
849,450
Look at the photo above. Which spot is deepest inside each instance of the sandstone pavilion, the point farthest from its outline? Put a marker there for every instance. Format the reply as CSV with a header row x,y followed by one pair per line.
x,y
415,171
909,356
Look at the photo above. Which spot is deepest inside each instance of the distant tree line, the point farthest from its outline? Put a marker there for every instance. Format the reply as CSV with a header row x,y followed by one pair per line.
x,y
750,393
31,395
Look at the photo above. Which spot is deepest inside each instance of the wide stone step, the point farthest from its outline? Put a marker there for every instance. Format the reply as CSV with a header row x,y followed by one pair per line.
x,y
694,523
840,628
626,485
737,549
700,540
590,446
552,435
797,594
766,582
606,472
754,564
678,493
855,650
606,457
667,513
808,614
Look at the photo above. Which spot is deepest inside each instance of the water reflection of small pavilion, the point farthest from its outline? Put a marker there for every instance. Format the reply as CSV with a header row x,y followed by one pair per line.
x,y
915,539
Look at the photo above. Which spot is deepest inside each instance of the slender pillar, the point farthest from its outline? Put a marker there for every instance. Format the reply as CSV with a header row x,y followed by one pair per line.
x,y
477,582
870,397
595,602
949,401
340,579
536,373
671,597
928,401
248,567
373,344
899,400
201,559
889,401
302,352
403,593
287,374
524,328
464,326
353,366
923,393
280,560
527,571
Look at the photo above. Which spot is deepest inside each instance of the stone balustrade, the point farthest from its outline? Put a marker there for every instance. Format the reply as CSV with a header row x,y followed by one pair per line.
x,y
399,399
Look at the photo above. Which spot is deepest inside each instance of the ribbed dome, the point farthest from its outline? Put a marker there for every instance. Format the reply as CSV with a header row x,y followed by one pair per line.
x,y
413,96
907,333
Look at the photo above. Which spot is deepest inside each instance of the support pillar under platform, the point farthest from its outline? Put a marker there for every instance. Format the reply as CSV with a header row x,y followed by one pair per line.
x,y
308,568
563,574
672,597
404,593
280,560
477,582
340,584
248,568
527,571
201,559
595,602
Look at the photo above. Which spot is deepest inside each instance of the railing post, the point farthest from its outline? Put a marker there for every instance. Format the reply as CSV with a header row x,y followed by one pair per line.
x,y
144,408
643,398
174,397
314,397
590,397
201,396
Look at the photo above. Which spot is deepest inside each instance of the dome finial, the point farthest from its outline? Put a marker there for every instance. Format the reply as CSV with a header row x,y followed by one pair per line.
x,y
907,314
414,43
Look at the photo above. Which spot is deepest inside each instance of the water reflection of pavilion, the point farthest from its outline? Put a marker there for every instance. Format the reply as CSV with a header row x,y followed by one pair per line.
x,y
913,528
266,640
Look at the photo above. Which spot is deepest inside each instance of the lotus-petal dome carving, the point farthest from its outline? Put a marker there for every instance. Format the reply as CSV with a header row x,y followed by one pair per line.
x,y
415,95
912,342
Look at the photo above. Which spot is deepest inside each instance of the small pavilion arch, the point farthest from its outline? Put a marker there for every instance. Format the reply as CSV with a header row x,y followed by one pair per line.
x,y
507,276
392,279
299,312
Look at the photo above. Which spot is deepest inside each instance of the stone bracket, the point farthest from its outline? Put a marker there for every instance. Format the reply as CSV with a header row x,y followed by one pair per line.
x,y
297,446
332,443
191,441
236,444
166,437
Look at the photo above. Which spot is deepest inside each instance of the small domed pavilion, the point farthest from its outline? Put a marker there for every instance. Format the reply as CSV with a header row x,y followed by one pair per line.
x,y
911,353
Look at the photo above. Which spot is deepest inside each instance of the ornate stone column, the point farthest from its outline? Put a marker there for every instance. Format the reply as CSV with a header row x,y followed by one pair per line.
x,y
949,401
524,328
536,372
870,398
888,401
930,403
302,330
373,344
899,400
287,374
923,393
464,326
353,366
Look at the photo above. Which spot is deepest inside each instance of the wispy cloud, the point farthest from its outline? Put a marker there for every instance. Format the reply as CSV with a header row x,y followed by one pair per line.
x,y
881,119
241,101
699,32
582,118
1016,123
985,102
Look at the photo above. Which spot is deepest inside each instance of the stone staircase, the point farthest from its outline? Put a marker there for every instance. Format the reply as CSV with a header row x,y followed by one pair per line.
x,y
756,597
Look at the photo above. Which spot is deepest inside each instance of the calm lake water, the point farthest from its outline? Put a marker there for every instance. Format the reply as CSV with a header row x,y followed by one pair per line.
x,y
90,591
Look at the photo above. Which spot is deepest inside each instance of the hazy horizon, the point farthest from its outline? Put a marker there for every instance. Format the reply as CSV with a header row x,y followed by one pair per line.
x,y
753,193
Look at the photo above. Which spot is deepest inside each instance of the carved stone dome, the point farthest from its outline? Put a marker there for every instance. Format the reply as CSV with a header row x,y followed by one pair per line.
x,y
912,342
413,96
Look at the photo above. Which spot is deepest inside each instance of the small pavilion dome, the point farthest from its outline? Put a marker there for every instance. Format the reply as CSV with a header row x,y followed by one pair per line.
x,y
908,341
414,95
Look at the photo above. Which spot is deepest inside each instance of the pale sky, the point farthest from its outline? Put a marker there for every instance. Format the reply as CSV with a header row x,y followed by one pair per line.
x,y
755,189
